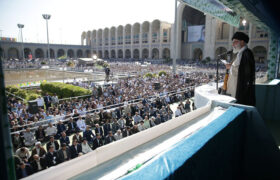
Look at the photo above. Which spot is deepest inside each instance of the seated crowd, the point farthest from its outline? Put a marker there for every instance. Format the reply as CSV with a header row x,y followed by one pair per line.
x,y
89,124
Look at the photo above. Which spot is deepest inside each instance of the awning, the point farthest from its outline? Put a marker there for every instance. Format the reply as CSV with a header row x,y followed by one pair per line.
x,y
216,9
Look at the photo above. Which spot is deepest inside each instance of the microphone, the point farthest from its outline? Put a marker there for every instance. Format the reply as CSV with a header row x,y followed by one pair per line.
x,y
225,53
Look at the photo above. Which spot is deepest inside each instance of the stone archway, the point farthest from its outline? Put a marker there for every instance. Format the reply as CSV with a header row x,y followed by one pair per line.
x,y
13,53
113,54
39,53
136,54
88,54
145,53
27,52
155,53
60,53
120,54
100,54
52,55
79,53
260,54
197,54
70,53
166,53
106,54
127,54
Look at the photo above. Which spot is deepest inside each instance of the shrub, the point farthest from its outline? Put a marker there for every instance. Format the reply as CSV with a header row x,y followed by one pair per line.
x,y
32,96
13,89
162,73
148,75
21,93
63,90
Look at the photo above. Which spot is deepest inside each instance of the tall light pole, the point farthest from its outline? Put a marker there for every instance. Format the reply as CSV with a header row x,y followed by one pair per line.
x,y
47,17
175,41
20,26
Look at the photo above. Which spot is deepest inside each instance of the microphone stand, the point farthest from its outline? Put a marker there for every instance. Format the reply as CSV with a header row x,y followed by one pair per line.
x,y
217,73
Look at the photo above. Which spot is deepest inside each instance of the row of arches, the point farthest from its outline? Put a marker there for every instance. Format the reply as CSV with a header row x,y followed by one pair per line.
x,y
135,54
40,53
260,53
124,34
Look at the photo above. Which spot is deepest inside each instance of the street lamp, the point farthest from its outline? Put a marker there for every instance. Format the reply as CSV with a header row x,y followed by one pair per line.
x,y
47,17
175,41
20,26
244,22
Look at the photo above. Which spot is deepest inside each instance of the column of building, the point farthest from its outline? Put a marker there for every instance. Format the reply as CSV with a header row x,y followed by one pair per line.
x,y
116,44
210,37
103,43
131,41
160,40
140,42
124,40
150,40
229,37
109,43
250,34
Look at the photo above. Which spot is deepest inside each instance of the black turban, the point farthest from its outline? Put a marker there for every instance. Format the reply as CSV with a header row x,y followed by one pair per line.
x,y
241,36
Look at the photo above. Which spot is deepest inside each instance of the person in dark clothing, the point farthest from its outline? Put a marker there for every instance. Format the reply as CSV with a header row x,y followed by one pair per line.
x,y
24,170
64,153
51,157
75,149
241,81
97,142
47,100
38,163
72,127
54,143
109,138
107,73
89,135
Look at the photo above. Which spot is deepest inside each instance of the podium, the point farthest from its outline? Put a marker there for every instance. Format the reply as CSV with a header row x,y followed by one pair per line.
x,y
206,93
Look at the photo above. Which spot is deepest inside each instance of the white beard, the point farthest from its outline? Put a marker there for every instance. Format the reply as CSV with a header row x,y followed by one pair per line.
x,y
236,49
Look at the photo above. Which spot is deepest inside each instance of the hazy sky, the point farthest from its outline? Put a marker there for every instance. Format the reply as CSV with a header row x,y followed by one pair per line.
x,y
69,18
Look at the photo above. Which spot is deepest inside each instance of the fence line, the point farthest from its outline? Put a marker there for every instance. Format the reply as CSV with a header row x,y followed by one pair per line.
x,y
110,107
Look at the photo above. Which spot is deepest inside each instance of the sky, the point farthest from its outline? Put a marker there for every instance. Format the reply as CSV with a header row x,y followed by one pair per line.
x,y
69,18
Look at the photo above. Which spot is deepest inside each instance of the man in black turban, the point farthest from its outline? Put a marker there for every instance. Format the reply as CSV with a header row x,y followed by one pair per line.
x,y
241,82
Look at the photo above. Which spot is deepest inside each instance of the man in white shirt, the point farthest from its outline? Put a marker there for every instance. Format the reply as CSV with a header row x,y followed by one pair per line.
x,y
118,135
51,130
85,147
141,126
81,124
40,102
178,112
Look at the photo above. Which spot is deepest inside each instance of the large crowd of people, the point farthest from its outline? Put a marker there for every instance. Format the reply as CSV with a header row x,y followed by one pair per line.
x,y
63,129
111,113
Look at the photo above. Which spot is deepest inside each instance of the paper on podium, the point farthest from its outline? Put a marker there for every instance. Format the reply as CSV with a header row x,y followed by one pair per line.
x,y
224,61
207,93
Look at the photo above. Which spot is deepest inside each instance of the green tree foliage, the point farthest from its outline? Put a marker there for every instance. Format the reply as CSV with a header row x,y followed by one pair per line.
x,y
63,90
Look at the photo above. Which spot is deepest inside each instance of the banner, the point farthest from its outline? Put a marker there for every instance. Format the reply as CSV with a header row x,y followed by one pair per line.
x,y
196,33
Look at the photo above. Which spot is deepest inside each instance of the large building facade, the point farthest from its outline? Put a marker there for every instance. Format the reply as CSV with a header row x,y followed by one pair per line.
x,y
218,36
154,40
147,40
151,40
13,50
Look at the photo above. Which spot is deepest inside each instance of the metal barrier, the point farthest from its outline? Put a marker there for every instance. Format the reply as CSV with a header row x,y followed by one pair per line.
x,y
110,107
